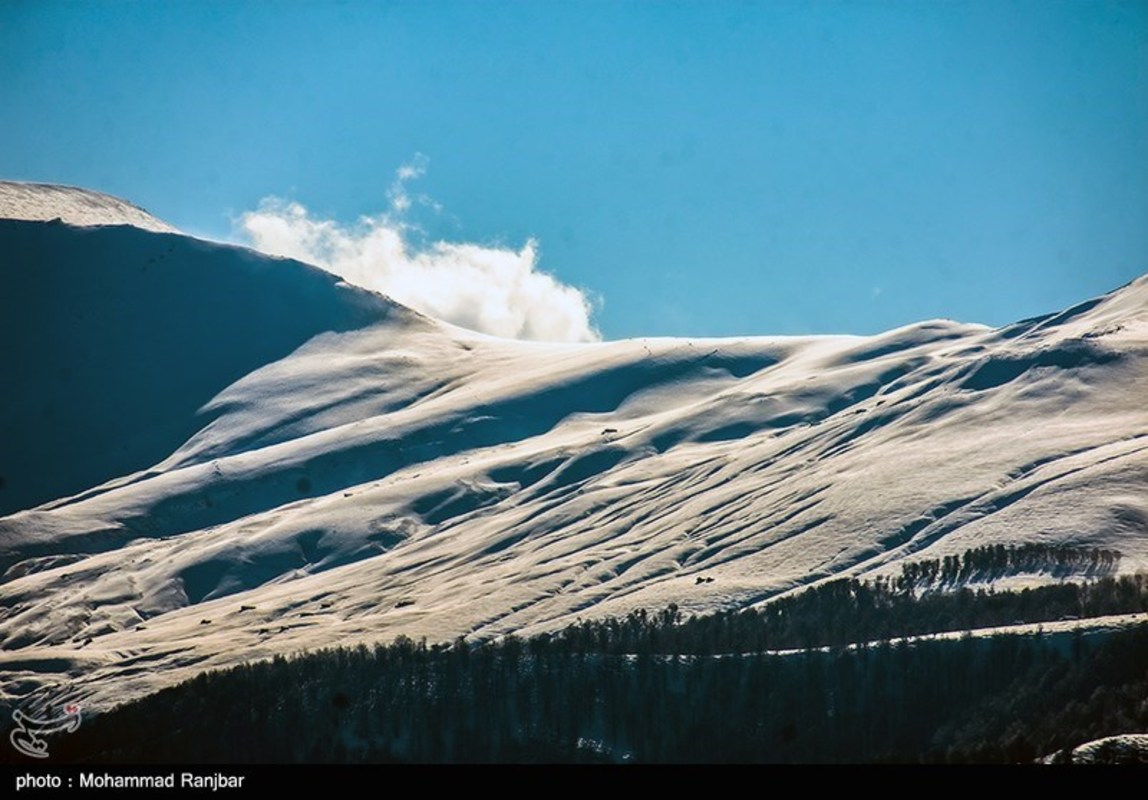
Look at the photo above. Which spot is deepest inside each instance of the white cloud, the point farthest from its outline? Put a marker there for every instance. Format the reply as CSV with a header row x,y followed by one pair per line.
x,y
495,290
397,193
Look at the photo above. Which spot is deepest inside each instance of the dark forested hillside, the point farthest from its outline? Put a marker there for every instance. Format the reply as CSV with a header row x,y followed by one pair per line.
x,y
656,688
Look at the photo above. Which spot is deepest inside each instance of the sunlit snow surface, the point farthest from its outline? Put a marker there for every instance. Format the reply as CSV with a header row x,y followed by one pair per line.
x,y
75,206
387,474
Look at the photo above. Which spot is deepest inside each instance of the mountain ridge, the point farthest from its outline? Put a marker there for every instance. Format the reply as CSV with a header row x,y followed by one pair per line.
x,y
383,473
73,205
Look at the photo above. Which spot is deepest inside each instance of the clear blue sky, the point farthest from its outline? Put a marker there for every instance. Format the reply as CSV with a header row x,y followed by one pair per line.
x,y
706,168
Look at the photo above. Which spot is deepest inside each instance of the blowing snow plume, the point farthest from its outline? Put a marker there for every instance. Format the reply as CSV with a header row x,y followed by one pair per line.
x,y
494,290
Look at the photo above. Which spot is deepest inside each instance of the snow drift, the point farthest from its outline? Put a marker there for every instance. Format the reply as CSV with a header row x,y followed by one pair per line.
x,y
311,464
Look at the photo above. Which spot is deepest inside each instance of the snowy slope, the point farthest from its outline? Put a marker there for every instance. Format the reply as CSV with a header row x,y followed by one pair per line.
x,y
72,205
386,474
117,336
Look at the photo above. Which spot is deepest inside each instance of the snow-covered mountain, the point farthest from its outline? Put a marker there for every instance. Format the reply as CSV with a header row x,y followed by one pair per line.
x,y
47,202
239,456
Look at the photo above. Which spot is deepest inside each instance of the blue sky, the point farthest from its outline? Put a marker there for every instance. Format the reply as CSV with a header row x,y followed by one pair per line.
x,y
705,168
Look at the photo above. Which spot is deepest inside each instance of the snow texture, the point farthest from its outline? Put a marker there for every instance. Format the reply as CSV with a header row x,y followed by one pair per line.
x,y
47,202
221,456
1126,748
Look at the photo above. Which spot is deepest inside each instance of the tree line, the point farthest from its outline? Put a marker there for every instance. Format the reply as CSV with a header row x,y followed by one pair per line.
x,y
654,687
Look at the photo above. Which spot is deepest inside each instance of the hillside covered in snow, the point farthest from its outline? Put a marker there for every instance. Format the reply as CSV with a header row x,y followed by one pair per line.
x,y
69,204
213,456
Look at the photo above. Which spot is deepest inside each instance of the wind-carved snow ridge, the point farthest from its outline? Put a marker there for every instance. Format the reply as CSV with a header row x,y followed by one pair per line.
x,y
378,473
72,205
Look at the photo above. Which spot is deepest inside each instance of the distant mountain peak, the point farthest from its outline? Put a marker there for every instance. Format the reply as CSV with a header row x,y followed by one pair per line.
x,y
74,206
